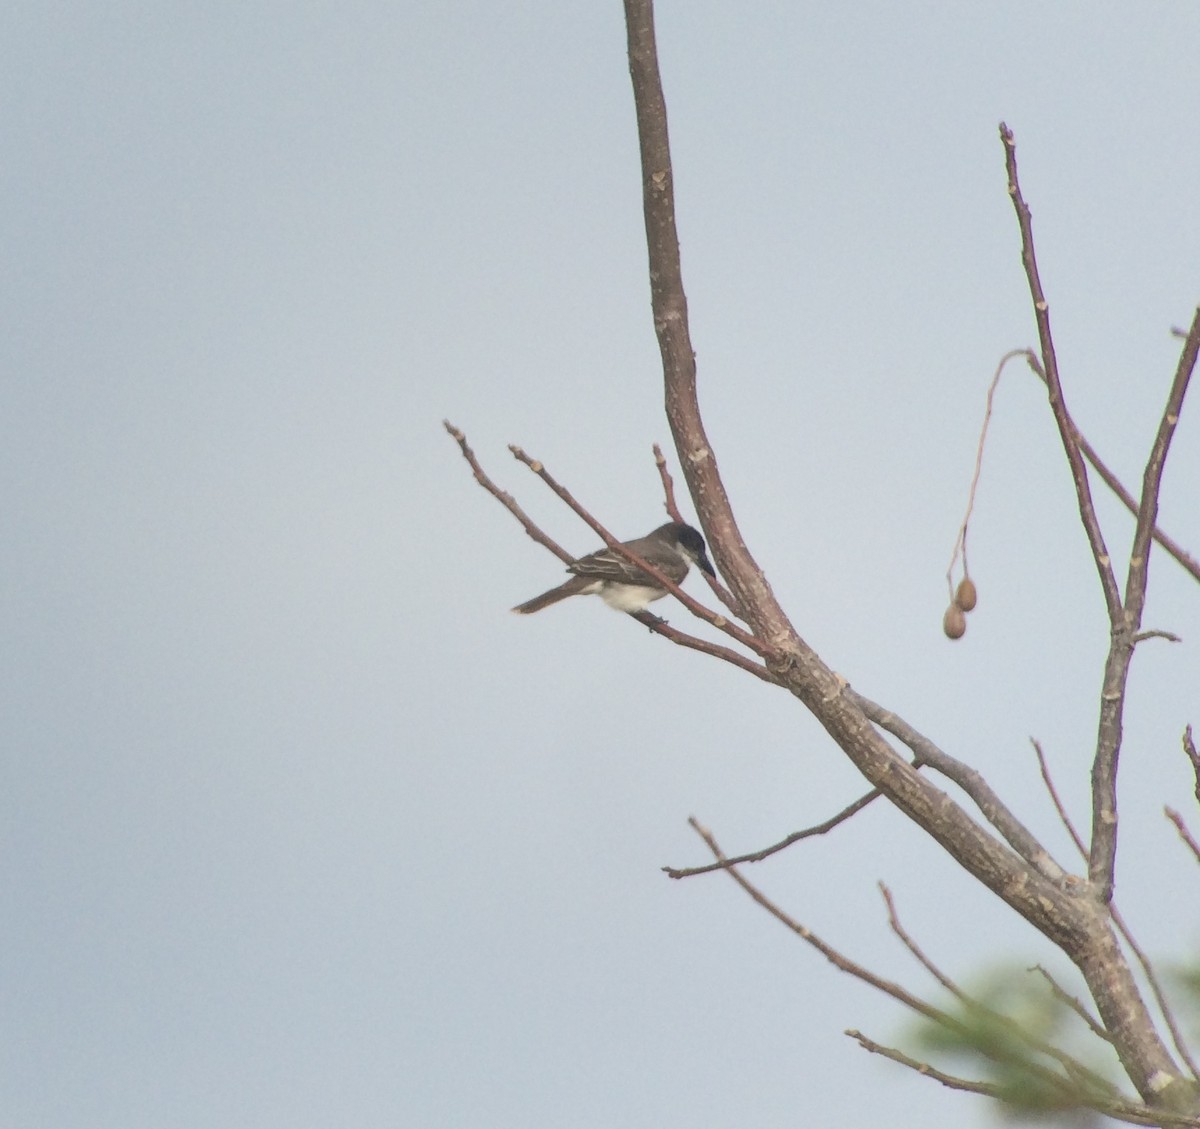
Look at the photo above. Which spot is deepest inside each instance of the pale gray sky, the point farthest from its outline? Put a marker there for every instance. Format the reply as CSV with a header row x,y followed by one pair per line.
x,y
299,826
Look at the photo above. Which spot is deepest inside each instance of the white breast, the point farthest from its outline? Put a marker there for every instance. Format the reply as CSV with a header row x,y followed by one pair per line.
x,y
630,597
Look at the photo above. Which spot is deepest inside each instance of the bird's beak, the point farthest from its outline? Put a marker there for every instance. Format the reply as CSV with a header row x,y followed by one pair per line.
x,y
705,565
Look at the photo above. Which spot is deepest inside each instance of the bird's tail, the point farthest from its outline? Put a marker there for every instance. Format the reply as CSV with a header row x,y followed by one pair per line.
x,y
572,587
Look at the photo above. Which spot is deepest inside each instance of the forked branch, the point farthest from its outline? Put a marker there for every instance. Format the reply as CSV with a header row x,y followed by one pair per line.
x,y
656,625
1012,864
1077,1087
1125,616
1073,922
1066,427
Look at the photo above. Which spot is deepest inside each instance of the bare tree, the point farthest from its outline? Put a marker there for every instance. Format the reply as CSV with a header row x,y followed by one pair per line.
x,y
1074,912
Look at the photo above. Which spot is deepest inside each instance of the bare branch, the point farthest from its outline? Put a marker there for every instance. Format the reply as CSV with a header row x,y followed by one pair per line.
x,y
668,484
1081,1074
1155,633
1135,584
1065,819
1069,917
1184,833
1189,747
661,627
1185,559
794,837
1066,428
1067,920
1103,858
718,589
837,959
669,305
1075,1004
1020,838
989,1089
915,949
1074,1090
504,498
1131,1113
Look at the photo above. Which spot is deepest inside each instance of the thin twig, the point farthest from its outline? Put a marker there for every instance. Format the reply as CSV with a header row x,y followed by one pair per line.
x,y
1132,1113
1075,1004
1177,551
774,848
1135,584
950,1081
836,958
916,950
1058,804
503,497
1066,428
1184,833
1189,747
718,589
1155,633
1070,1088
661,627
668,484
1081,1074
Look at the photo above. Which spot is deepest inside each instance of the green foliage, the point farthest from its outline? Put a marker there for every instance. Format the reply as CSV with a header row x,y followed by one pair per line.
x,y
1037,1055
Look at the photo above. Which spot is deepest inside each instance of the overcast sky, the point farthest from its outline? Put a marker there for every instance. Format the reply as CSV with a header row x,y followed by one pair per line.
x,y
300,827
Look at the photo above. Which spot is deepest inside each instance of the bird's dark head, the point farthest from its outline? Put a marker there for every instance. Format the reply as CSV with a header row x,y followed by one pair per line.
x,y
692,543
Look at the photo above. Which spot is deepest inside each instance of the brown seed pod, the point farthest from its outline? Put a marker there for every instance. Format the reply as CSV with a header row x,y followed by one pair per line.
x,y
954,623
966,597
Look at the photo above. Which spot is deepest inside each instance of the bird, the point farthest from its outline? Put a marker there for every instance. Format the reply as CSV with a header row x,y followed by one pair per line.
x,y
671,548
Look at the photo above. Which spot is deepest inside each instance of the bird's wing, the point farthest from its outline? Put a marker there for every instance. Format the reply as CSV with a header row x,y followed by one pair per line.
x,y
606,565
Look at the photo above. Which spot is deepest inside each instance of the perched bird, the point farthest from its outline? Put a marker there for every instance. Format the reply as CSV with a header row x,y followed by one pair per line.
x,y
671,548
